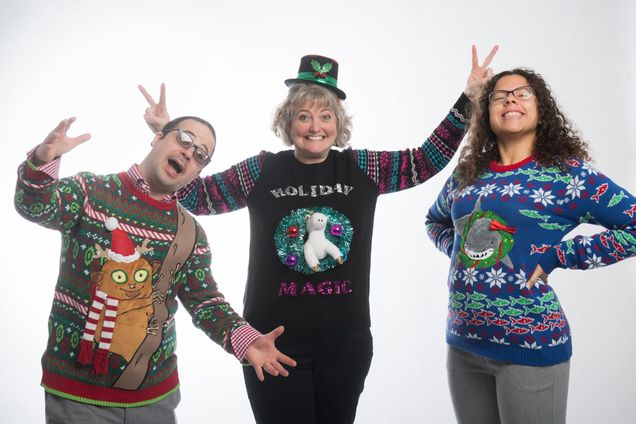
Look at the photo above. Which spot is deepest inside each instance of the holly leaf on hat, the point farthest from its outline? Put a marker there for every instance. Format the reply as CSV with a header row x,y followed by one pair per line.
x,y
326,68
316,65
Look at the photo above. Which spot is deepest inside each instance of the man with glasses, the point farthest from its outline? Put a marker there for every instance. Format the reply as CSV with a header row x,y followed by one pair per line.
x,y
128,251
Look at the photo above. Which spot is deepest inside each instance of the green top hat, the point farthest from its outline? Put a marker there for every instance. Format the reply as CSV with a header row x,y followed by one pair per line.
x,y
318,70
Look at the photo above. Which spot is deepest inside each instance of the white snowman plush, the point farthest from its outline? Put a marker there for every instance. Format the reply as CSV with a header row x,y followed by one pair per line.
x,y
317,246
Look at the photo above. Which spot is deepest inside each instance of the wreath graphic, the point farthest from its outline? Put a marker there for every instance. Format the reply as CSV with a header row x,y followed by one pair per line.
x,y
310,240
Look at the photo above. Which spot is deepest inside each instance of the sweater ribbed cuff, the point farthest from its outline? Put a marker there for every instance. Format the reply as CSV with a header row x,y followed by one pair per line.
x,y
462,105
549,260
242,338
51,169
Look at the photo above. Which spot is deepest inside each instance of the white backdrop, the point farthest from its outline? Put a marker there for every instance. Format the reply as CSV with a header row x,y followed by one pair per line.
x,y
402,65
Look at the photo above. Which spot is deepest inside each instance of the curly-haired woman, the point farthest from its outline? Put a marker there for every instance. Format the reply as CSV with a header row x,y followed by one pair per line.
x,y
523,181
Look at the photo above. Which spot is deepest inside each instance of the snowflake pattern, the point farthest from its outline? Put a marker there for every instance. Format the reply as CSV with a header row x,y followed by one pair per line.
x,y
560,340
574,187
522,280
589,169
496,277
500,341
454,275
543,197
470,276
465,191
532,345
457,274
511,189
594,261
486,190
495,297
586,241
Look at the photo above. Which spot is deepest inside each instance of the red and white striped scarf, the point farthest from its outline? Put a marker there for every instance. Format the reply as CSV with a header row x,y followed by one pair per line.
x,y
100,360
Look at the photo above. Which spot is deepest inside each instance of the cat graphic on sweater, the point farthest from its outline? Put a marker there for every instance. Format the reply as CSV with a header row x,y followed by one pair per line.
x,y
486,240
131,283
122,304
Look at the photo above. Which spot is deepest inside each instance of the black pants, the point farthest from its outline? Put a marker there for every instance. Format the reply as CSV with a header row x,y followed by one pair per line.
x,y
325,385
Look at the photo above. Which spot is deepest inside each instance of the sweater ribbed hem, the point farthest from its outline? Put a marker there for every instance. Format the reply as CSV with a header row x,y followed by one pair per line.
x,y
108,396
513,354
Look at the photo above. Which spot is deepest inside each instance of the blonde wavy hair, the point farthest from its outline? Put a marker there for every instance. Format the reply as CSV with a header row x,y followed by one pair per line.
x,y
298,95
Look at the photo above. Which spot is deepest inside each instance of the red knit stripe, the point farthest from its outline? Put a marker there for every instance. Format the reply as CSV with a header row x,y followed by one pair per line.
x,y
89,393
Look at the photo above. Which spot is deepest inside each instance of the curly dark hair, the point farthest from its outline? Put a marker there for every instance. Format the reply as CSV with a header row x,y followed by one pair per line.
x,y
556,141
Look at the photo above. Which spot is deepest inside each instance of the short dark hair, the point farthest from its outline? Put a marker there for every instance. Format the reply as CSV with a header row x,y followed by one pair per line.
x,y
173,124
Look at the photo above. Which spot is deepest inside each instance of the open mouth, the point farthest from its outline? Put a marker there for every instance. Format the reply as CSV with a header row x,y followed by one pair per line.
x,y
175,165
477,256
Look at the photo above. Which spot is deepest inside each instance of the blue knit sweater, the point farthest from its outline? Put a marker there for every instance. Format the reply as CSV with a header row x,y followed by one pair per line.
x,y
498,229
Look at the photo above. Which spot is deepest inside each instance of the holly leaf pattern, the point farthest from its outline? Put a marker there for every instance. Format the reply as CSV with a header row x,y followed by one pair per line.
x,y
321,69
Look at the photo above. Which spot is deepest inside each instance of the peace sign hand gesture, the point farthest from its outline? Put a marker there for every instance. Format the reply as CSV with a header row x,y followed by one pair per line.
x,y
57,143
479,74
156,114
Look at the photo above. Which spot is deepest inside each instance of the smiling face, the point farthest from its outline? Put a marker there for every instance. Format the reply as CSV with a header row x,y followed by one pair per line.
x,y
313,132
170,166
514,118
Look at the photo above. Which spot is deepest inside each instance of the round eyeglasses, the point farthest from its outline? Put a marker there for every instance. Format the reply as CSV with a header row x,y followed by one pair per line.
x,y
186,140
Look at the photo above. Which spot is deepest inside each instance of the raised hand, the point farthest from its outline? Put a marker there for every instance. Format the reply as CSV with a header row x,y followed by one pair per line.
x,y
156,114
538,273
479,74
57,143
263,355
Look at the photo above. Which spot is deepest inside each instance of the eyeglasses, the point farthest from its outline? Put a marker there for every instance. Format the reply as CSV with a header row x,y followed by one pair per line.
x,y
186,140
521,93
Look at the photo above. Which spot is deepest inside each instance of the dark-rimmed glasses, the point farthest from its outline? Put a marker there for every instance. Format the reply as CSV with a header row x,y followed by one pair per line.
x,y
520,93
186,140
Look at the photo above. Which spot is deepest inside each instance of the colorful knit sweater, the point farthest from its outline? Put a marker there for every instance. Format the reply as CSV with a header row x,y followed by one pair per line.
x,y
311,225
498,229
106,297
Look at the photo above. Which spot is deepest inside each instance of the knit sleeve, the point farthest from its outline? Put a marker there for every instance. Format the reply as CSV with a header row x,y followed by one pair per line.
x,y
48,201
210,311
439,224
398,170
225,191
599,201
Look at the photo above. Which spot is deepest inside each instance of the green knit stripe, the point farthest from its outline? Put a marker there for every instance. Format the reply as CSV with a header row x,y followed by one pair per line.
x,y
110,404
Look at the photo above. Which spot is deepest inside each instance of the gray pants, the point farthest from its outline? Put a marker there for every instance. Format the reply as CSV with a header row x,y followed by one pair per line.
x,y
485,391
59,410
